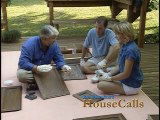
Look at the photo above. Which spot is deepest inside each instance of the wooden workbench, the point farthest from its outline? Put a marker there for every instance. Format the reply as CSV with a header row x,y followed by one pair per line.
x,y
133,12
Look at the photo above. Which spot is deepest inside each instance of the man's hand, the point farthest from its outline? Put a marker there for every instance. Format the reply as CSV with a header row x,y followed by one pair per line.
x,y
66,68
105,77
82,61
44,68
102,64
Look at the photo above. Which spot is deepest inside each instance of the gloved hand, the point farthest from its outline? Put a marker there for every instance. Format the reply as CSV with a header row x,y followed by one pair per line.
x,y
44,68
105,77
95,78
99,72
108,69
82,61
66,68
102,64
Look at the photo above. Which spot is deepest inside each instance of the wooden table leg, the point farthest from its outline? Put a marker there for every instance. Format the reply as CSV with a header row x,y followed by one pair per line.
x,y
142,23
131,14
51,16
4,12
115,10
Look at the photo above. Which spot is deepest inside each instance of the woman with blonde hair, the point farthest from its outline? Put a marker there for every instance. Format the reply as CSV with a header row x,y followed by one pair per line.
x,y
127,77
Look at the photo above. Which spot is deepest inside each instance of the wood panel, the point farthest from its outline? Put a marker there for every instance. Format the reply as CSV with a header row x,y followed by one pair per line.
x,y
51,84
153,117
128,2
75,74
72,61
90,95
77,55
78,3
70,50
75,58
105,117
74,0
11,98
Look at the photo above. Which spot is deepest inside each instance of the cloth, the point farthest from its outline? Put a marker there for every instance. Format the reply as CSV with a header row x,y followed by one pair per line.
x,y
100,45
32,54
132,52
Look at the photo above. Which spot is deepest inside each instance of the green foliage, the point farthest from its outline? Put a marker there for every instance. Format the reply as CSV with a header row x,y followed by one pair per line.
x,y
152,38
153,5
36,14
11,36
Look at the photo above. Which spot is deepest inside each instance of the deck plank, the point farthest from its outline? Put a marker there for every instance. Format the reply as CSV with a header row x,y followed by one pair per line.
x,y
150,68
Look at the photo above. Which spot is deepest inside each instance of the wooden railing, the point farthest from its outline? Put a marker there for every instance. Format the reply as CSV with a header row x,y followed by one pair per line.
x,y
4,22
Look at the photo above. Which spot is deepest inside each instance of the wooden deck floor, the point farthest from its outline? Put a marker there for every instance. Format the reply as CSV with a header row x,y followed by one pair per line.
x,y
150,67
149,64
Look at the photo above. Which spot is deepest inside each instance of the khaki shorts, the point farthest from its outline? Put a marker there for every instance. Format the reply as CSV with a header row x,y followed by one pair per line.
x,y
95,60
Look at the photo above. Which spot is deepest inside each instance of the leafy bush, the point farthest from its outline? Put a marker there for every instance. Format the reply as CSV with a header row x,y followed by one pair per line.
x,y
151,38
11,36
153,5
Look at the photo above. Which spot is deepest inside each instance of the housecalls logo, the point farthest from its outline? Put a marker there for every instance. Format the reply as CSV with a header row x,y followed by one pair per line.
x,y
122,103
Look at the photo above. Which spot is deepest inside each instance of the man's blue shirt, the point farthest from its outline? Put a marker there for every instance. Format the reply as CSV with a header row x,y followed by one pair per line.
x,y
132,52
32,54
100,45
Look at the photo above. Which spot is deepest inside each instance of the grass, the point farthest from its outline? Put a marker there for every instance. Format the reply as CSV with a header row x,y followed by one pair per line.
x,y
28,16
